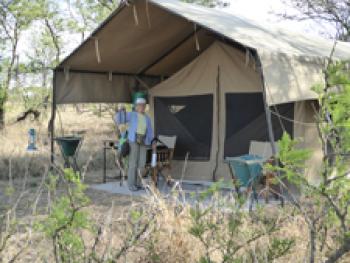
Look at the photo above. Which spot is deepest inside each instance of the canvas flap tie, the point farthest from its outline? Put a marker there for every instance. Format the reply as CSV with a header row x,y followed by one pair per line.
x,y
247,57
66,73
135,15
147,14
97,50
110,75
196,38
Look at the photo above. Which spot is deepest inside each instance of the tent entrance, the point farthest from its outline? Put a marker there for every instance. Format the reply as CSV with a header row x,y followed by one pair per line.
x,y
246,121
190,118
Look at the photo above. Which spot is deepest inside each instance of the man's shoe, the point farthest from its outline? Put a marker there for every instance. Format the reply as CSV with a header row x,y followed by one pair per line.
x,y
133,188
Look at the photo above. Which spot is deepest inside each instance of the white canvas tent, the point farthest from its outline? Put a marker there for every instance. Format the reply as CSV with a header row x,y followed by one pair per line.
x,y
222,71
177,50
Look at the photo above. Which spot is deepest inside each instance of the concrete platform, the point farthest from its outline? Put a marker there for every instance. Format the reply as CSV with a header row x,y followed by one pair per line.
x,y
189,192
188,187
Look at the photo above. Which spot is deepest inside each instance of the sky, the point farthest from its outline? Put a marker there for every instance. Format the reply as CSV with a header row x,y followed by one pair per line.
x,y
266,10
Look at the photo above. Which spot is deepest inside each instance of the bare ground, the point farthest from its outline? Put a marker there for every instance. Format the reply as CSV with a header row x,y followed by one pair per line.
x,y
174,244
18,166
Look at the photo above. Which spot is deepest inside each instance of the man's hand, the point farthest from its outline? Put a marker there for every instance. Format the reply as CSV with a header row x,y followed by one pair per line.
x,y
154,145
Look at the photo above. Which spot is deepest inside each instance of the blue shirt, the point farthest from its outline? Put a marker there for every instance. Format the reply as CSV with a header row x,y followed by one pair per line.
x,y
131,118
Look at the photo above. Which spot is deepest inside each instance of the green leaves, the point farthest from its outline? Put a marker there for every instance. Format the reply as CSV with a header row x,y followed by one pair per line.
x,y
279,247
324,206
89,14
67,219
334,101
289,154
292,160
3,96
135,215
209,3
213,188
200,224
229,234
22,12
205,260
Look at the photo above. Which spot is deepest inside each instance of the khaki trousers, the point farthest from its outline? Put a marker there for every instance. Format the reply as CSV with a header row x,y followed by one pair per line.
x,y
137,161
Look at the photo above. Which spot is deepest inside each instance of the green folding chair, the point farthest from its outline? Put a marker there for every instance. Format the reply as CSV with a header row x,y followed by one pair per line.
x,y
247,171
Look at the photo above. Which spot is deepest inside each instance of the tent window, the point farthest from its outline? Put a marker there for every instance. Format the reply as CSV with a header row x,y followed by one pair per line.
x,y
190,118
246,121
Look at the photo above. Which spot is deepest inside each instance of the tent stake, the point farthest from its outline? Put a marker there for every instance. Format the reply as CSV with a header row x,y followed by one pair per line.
x,y
269,120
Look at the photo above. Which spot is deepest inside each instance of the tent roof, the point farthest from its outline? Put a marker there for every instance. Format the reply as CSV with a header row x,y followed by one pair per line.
x,y
154,38
136,36
254,34
140,38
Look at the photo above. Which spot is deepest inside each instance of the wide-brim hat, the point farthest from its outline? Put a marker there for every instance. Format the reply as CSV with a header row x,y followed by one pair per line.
x,y
140,101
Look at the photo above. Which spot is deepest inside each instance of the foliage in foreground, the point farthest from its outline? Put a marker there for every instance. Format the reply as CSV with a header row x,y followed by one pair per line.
x,y
325,206
154,230
66,220
230,234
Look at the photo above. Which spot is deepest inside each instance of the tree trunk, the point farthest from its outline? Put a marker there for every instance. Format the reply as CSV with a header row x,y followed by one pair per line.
x,y
2,116
55,40
312,244
340,252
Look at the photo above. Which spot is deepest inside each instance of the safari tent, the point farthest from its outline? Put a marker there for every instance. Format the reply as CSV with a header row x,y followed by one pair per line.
x,y
215,80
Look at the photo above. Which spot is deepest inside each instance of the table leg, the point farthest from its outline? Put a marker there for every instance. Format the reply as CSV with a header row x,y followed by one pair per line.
x,y
154,176
75,166
281,194
66,162
104,165
268,177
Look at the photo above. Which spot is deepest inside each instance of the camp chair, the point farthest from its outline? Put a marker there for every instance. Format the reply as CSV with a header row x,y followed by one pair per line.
x,y
70,146
264,150
165,153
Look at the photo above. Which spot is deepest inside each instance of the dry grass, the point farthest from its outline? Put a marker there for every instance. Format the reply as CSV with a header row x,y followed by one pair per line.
x,y
14,140
167,240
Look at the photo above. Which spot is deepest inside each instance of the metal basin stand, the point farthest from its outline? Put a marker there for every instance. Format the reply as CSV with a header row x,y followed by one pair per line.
x,y
70,146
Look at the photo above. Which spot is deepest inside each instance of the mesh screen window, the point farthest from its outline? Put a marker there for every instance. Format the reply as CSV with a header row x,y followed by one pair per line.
x,y
246,121
190,118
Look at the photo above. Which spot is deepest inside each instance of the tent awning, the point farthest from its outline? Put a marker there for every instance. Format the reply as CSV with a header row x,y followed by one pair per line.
x,y
155,38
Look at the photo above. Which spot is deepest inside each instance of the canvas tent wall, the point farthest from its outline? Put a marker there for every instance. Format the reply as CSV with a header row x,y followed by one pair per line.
x,y
146,41
215,107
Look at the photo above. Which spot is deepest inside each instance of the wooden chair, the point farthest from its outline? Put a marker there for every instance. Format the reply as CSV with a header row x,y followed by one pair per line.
x,y
165,153
264,150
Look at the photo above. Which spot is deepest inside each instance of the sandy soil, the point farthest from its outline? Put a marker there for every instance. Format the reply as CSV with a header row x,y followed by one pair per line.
x,y
17,165
39,249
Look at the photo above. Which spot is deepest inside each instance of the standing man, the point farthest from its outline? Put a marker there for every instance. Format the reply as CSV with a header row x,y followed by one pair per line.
x,y
140,135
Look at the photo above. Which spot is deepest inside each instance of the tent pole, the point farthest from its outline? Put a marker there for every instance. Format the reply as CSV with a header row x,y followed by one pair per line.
x,y
217,124
269,120
267,110
53,117
168,51
114,73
